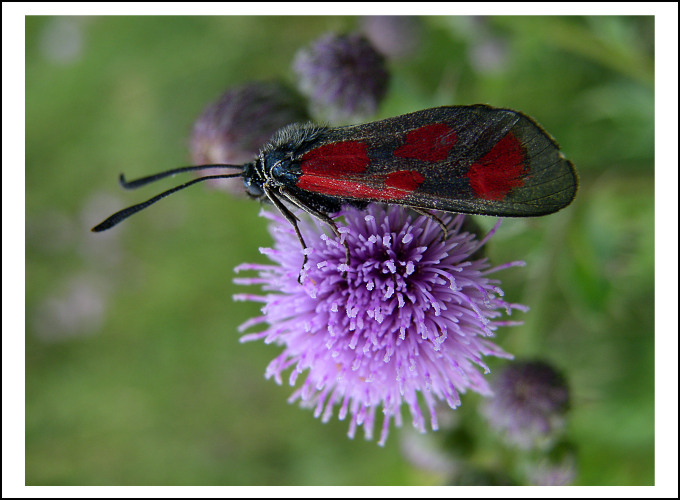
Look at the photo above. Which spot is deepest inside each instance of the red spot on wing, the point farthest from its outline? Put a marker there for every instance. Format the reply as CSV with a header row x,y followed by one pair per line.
x,y
398,185
336,159
500,170
428,143
406,180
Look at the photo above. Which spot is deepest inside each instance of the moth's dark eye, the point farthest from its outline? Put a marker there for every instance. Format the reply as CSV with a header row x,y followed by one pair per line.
x,y
253,189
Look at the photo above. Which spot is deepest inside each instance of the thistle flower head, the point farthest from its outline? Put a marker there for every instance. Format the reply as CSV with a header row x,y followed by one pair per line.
x,y
344,77
408,321
529,403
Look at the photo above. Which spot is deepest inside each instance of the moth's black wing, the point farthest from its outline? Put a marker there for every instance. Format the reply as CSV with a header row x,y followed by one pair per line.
x,y
469,159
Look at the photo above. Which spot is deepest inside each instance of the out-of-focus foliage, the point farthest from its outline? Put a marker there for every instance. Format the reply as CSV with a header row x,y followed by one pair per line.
x,y
134,371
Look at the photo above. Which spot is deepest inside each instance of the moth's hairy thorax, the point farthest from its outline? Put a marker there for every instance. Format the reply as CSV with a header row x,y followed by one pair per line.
x,y
293,139
277,164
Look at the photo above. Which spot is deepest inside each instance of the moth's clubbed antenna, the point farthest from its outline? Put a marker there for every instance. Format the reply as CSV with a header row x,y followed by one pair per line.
x,y
121,215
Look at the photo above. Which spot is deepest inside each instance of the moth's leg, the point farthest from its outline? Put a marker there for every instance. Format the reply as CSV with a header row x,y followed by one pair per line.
x,y
290,217
319,215
432,216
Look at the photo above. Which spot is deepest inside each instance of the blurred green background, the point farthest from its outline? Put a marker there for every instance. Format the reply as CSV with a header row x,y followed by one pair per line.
x,y
134,371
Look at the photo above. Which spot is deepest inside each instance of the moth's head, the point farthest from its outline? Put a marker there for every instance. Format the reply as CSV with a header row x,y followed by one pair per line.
x,y
253,180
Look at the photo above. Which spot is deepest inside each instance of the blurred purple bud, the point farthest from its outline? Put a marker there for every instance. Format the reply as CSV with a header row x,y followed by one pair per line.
x,y
396,37
78,310
62,39
529,403
549,473
234,128
344,77
489,55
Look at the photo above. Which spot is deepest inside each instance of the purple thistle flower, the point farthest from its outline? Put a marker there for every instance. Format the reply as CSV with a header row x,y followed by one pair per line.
x,y
529,403
413,315
344,77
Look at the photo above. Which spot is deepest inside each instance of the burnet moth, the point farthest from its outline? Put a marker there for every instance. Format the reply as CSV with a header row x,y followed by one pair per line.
x,y
465,159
